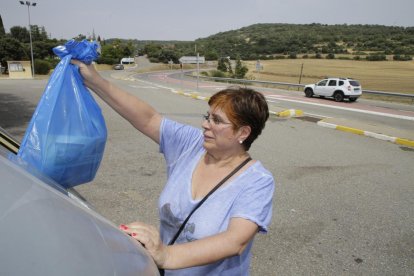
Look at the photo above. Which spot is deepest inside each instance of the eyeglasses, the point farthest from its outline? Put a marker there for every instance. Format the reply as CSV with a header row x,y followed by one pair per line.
x,y
215,119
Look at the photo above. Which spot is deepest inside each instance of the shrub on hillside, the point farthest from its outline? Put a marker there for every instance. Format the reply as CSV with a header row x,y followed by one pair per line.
x,y
218,74
293,55
402,57
376,57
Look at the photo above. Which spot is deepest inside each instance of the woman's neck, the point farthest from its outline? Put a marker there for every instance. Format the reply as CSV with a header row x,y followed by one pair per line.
x,y
223,160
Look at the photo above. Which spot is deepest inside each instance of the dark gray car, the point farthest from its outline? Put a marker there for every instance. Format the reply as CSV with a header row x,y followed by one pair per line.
x,y
118,67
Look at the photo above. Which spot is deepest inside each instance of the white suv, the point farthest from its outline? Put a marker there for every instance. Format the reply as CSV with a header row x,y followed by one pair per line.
x,y
338,88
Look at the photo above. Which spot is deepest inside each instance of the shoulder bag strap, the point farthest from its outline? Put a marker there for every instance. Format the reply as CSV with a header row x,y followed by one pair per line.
x,y
205,198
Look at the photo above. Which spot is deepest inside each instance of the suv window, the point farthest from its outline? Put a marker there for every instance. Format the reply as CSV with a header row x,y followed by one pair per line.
x,y
322,83
341,83
332,83
354,83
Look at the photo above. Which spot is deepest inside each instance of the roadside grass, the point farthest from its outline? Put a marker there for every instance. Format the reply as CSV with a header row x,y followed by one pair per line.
x,y
102,67
391,76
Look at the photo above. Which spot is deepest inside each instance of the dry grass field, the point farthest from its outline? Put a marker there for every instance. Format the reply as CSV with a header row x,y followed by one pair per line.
x,y
391,76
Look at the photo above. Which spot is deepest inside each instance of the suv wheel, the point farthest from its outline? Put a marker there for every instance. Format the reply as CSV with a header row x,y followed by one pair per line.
x,y
338,96
308,92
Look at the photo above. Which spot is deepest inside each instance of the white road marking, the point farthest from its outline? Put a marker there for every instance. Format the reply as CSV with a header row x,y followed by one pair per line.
x,y
143,87
282,98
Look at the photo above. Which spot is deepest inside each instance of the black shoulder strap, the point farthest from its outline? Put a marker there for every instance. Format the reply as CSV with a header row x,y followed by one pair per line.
x,y
207,196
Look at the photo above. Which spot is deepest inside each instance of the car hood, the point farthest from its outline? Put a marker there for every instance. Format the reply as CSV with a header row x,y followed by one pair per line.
x,y
43,231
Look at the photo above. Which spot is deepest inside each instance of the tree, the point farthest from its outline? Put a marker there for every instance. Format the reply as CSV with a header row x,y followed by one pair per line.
x,y
20,33
166,55
38,34
109,54
152,50
240,70
44,49
127,49
2,31
11,49
211,55
112,53
224,65
80,37
221,66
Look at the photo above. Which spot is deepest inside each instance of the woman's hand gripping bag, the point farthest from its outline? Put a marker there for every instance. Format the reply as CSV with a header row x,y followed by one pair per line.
x,y
66,136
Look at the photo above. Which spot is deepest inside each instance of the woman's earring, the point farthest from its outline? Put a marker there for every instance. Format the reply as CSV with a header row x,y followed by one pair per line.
x,y
241,141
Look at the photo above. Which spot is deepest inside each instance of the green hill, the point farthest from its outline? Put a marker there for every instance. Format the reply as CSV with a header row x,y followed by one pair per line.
x,y
267,40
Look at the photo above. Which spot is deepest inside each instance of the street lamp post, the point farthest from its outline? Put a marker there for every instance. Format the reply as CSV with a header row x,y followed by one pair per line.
x,y
28,4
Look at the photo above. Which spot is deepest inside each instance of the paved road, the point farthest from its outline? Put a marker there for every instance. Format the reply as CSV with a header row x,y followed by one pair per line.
x,y
344,203
387,118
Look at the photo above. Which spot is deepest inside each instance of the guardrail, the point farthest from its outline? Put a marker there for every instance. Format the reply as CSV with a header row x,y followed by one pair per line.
x,y
382,93
393,94
252,81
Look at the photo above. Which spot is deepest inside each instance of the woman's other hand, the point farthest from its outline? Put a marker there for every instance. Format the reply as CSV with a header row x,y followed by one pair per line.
x,y
149,237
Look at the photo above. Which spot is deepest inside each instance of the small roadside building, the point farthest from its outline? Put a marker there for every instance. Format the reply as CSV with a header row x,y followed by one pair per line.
x,y
19,69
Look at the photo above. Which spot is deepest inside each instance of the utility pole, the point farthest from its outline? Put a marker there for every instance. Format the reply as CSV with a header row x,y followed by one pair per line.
x,y
300,76
28,4
198,69
198,66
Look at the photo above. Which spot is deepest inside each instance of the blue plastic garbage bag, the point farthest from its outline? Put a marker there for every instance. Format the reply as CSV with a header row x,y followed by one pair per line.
x,y
67,134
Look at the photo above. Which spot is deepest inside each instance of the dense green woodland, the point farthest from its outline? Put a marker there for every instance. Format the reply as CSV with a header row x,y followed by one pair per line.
x,y
270,39
266,41
258,41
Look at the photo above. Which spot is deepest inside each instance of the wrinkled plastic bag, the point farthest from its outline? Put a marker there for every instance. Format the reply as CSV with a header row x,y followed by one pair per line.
x,y
66,136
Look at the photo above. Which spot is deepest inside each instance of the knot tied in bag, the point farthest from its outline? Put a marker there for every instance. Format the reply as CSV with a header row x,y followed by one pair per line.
x,y
66,136
84,50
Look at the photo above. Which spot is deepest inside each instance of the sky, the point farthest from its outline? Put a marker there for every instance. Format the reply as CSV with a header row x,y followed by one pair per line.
x,y
189,20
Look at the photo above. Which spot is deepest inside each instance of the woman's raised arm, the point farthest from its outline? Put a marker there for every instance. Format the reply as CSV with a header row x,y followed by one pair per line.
x,y
140,114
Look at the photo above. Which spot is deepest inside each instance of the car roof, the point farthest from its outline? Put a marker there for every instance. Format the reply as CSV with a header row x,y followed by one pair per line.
x,y
336,78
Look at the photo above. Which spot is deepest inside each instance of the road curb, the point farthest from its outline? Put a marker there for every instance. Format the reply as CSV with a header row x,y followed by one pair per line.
x,y
289,113
395,140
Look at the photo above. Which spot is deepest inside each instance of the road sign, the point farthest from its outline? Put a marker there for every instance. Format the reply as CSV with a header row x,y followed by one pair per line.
x,y
191,59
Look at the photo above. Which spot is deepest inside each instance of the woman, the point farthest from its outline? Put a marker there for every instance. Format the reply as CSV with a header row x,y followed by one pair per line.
x,y
218,237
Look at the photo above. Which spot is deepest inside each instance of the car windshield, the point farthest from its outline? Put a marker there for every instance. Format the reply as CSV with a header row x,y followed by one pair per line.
x,y
354,83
